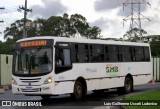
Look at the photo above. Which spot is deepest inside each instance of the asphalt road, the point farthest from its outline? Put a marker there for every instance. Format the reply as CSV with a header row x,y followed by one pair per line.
x,y
92,101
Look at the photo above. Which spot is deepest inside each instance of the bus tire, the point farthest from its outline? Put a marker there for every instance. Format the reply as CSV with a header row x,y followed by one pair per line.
x,y
128,85
79,91
45,97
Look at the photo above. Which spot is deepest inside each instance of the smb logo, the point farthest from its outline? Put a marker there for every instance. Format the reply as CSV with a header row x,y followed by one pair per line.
x,y
110,68
6,103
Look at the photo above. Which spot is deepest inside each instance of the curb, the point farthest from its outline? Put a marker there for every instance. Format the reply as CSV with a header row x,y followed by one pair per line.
x,y
2,90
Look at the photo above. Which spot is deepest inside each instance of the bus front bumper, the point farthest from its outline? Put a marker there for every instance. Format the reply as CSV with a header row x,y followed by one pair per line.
x,y
46,89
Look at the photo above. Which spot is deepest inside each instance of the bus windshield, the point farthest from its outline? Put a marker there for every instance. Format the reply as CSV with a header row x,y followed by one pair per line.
x,y
37,60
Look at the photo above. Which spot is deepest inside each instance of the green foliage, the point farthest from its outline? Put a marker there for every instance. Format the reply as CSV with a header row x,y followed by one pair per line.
x,y
6,46
65,26
133,35
154,41
147,96
155,48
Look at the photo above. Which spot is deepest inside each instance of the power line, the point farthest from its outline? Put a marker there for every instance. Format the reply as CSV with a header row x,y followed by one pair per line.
x,y
9,10
135,16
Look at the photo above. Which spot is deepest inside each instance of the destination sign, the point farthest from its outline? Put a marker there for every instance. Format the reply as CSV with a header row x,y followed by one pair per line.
x,y
33,43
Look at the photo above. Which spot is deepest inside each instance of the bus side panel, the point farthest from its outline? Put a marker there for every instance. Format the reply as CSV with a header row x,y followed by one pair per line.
x,y
112,82
93,84
141,71
141,79
64,87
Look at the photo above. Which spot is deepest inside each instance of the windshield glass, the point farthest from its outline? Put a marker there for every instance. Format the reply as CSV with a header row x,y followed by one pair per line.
x,y
37,60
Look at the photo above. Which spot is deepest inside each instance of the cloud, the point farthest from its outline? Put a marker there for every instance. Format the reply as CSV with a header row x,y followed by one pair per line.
x,y
127,9
101,23
102,5
151,26
110,27
49,8
107,5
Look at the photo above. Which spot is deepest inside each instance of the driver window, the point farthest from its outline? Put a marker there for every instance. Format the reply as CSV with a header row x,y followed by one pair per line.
x,y
62,60
59,61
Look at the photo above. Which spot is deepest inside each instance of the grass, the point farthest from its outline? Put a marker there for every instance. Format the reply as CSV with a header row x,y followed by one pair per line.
x,y
147,96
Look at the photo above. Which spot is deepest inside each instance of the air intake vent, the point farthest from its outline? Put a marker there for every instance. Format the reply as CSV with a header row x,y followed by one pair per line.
x,y
30,80
30,90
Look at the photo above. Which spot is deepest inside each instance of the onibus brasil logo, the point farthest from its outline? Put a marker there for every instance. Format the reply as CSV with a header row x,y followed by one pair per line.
x,y
110,68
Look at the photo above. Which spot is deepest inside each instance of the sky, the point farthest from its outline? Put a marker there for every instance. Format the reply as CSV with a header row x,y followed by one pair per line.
x,y
106,14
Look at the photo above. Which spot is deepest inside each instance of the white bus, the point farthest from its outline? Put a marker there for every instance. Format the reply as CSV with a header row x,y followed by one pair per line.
x,y
50,65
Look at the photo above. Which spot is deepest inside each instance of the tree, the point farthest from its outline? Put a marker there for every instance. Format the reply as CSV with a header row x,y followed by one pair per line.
x,y
155,48
15,30
62,26
65,26
5,46
152,38
133,35
76,25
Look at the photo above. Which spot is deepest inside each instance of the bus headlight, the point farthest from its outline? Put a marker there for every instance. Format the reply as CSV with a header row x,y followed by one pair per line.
x,y
48,80
14,81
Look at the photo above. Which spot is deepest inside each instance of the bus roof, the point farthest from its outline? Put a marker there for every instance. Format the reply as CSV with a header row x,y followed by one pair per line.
x,y
82,40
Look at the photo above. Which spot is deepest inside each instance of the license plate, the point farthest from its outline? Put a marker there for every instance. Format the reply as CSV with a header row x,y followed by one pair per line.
x,y
29,87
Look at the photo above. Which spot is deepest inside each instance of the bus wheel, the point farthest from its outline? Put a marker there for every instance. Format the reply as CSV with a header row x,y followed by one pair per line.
x,y
45,97
78,91
128,85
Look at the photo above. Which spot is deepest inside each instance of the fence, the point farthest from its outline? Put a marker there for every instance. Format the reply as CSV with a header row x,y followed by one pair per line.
x,y
156,68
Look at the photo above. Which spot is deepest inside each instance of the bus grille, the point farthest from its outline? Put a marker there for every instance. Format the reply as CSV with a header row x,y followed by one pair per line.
x,y
29,80
30,90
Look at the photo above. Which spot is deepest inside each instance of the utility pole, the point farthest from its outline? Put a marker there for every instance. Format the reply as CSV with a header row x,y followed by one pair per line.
x,y
135,16
25,17
1,21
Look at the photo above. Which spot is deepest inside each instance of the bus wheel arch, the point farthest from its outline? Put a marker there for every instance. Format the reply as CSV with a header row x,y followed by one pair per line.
x,y
80,88
128,83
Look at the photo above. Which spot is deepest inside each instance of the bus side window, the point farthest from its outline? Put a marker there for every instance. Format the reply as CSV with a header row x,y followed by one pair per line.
x,y
125,53
63,57
139,53
97,53
113,53
59,57
86,53
81,53
62,60
146,53
106,54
